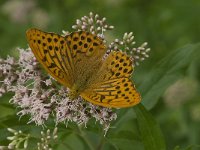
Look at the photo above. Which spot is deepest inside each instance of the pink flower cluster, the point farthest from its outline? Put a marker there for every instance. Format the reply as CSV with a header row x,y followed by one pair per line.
x,y
41,97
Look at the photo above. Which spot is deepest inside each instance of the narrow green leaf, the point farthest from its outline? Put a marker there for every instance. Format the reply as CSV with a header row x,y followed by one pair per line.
x,y
191,147
166,72
150,131
177,148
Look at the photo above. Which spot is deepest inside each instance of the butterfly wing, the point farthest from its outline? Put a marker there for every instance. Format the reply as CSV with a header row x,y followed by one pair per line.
x,y
87,51
52,51
113,87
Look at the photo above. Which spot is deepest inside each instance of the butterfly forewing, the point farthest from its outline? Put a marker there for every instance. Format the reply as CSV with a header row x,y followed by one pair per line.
x,y
87,51
52,52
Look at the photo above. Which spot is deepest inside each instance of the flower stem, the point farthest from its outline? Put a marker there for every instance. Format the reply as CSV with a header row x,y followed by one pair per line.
x,y
101,142
85,138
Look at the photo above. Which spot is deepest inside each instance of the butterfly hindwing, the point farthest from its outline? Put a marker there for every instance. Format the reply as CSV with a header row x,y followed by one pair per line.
x,y
116,93
52,52
113,88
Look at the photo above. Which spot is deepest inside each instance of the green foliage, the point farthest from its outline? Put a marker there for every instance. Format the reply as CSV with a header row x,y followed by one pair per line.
x,y
150,131
167,71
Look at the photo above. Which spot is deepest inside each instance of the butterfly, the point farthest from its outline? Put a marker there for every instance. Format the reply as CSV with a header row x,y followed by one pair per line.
x,y
77,62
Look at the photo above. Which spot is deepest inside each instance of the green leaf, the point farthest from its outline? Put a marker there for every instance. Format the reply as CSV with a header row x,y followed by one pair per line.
x,y
150,131
191,147
124,144
166,72
177,148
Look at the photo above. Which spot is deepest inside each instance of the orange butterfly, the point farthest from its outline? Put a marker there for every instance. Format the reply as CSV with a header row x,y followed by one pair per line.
x,y
76,61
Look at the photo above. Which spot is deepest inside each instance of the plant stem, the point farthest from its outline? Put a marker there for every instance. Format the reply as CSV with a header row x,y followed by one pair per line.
x,y
84,137
101,142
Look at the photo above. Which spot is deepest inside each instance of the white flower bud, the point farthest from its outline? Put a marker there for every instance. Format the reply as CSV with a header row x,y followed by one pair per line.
x,y
55,137
116,40
96,16
26,144
133,43
148,49
130,34
11,138
78,22
125,36
90,21
74,27
144,44
111,27
91,15
104,19
141,59
11,130
131,38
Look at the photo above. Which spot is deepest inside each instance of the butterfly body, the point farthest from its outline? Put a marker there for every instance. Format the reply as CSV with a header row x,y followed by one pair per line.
x,y
76,61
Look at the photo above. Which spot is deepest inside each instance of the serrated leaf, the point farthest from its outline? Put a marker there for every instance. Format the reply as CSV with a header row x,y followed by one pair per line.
x,y
150,131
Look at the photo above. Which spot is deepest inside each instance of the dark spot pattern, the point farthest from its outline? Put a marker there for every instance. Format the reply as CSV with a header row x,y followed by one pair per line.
x,y
74,46
95,44
89,40
91,49
44,59
118,92
82,37
62,42
56,48
117,65
126,84
127,89
50,48
117,74
49,40
85,45
117,87
80,43
121,60
55,40
125,64
125,70
45,51
75,38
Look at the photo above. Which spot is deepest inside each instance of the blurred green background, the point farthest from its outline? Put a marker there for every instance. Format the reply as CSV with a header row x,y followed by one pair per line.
x,y
165,25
